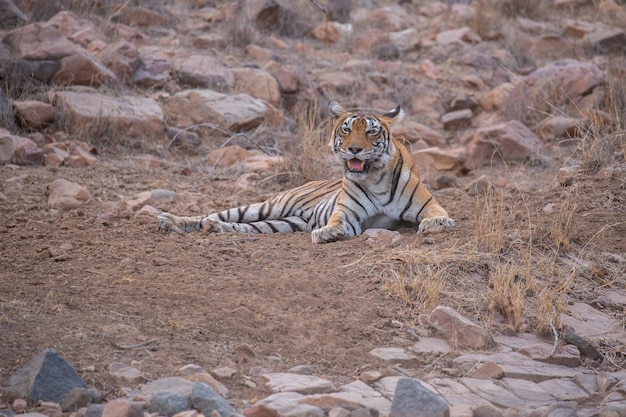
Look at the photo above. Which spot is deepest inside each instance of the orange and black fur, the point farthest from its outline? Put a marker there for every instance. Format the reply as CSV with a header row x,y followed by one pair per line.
x,y
380,188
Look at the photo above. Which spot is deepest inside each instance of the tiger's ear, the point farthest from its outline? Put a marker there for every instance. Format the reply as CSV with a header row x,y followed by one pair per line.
x,y
394,116
336,110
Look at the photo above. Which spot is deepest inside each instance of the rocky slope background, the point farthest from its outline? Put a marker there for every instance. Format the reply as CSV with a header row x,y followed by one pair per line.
x,y
111,111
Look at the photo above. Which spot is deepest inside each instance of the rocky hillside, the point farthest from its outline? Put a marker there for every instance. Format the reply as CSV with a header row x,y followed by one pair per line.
x,y
111,111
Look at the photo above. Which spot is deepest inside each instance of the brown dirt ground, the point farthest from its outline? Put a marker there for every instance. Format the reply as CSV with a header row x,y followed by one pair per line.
x,y
217,300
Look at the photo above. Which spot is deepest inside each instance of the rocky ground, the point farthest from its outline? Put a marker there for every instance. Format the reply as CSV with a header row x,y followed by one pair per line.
x,y
114,111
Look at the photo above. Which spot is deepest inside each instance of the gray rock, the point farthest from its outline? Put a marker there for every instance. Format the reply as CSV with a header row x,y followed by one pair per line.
x,y
205,399
47,377
94,410
412,399
168,403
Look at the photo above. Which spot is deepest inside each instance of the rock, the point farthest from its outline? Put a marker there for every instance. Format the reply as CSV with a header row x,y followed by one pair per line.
x,y
260,410
434,160
302,384
412,132
206,378
122,408
47,377
462,36
52,160
121,57
457,119
257,83
235,112
184,140
77,398
141,16
80,158
509,141
45,54
19,405
327,32
479,186
567,83
494,99
224,372
431,345
118,118
488,370
19,150
382,238
394,355
203,71
206,400
608,40
566,175
555,127
227,156
353,395
126,374
33,114
459,329
168,403
154,67
66,195
412,399
11,15
567,355
283,17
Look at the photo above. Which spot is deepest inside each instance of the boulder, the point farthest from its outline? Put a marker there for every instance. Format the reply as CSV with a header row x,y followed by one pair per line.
x,y
124,117
233,112
47,377
509,141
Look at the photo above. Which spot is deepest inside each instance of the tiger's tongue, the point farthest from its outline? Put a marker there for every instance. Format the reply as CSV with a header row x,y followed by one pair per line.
x,y
356,164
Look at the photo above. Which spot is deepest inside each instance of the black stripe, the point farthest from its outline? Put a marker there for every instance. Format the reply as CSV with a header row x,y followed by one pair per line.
x,y
406,184
262,214
410,202
222,216
381,178
417,218
274,229
240,212
351,227
394,182
356,216
255,227
354,199
294,227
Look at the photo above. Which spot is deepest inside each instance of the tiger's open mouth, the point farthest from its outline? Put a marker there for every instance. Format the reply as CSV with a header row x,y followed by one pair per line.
x,y
356,165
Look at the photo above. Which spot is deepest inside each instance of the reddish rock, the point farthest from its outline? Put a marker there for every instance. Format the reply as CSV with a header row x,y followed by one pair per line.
x,y
33,114
488,370
412,132
257,83
462,35
66,195
609,40
327,32
457,119
141,16
80,158
260,411
19,150
227,156
52,160
287,80
122,408
120,57
510,141
461,331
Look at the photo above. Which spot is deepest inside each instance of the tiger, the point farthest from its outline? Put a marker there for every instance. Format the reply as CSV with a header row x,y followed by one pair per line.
x,y
380,188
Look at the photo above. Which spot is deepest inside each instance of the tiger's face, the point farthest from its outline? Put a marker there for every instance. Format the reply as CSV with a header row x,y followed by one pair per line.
x,y
362,141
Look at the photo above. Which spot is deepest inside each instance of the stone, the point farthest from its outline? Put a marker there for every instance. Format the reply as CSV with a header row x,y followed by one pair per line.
x,y
488,370
302,384
122,408
64,194
176,385
281,400
77,398
232,112
19,405
458,119
530,392
353,395
509,141
516,365
461,36
126,374
555,127
118,118
566,355
121,57
412,132
206,378
566,175
19,150
47,377
434,160
382,238
11,15
395,355
591,323
227,156
493,99
608,40
460,330
154,67
327,32
257,83
206,400
305,410
455,393
81,158
564,390
412,399
32,114
168,403
431,345
184,140
567,82
260,410
490,391
203,71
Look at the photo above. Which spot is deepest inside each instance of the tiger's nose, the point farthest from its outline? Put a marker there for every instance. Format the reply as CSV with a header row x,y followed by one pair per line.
x,y
355,149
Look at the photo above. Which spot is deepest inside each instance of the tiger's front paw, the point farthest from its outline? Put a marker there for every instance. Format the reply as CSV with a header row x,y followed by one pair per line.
x,y
326,234
430,222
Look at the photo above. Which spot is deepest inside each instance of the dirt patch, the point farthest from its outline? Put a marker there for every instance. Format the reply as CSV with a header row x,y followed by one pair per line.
x,y
94,291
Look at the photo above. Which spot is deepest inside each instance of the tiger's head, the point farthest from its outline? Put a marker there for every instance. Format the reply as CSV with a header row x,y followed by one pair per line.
x,y
362,141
